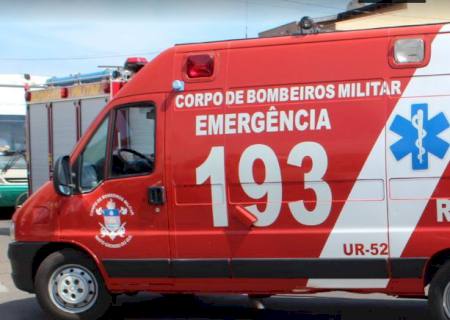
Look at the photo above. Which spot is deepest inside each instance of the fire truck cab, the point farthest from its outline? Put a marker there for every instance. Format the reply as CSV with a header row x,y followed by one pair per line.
x,y
282,165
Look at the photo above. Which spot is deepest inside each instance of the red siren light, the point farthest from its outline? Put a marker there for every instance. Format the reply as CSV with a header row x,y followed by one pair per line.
x,y
134,64
64,93
106,86
27,96
200,66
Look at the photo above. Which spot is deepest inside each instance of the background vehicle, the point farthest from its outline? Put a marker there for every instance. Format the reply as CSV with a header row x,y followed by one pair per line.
x,y
13,168
61,112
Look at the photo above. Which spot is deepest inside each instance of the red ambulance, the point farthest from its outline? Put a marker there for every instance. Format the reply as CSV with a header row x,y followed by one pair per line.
x,y
283,165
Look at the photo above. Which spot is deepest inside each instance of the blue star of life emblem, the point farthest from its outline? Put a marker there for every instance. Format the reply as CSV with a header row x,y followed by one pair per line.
x,y
419,137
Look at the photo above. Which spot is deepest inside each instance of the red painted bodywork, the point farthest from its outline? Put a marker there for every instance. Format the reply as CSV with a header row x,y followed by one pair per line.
x,y
183,227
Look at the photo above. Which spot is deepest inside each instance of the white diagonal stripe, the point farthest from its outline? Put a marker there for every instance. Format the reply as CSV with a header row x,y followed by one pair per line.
x,y
371,216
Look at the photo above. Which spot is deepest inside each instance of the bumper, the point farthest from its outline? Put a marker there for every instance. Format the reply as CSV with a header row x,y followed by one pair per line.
x,y
9,194
21,256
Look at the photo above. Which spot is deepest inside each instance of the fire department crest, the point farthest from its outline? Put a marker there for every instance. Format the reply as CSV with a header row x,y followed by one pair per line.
x,y
112,211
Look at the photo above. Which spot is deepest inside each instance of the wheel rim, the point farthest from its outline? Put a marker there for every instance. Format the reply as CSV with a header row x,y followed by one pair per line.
x,y
446,300
73,288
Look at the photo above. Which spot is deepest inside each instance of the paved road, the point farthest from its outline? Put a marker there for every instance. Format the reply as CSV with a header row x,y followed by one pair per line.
x,y
17,305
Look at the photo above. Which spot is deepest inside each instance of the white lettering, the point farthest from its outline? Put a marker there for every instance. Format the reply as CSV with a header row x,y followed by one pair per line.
x,y
200,125
240,97
230,98
298,120
251,96
189,100
344,90
289,94
324,120
218,98
215,124
396,87
287,120
230,123
272,120
331,93
179,101
259,122
443,210
243,123
384,89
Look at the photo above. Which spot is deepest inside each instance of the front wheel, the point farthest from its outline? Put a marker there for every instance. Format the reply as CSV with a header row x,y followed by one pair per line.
x,y
69,287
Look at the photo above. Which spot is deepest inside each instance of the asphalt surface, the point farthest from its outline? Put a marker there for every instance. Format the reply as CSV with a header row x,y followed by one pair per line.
x,y
17,305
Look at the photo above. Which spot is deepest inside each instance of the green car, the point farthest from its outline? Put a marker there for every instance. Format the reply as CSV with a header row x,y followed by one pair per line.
x,y
13,167
13,181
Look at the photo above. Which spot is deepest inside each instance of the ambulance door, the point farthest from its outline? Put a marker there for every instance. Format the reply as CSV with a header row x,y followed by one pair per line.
x,y
417,152
305,166
120,213
201,245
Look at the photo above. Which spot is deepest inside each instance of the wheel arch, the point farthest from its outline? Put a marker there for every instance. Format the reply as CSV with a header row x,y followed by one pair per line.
x,y
52,247
434,263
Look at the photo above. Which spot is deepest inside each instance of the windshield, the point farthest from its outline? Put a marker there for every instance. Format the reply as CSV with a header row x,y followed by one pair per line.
x,y
13,162
12,142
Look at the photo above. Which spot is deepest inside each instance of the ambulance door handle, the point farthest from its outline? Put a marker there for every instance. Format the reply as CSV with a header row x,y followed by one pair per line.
x,y
156,195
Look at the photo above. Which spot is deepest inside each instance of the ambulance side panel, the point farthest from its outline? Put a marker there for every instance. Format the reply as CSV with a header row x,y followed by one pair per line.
x,y
258,195
193,234
418,136
315,182
296,181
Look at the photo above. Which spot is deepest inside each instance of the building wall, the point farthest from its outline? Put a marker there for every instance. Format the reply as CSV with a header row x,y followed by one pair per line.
x,y
284,30
433,11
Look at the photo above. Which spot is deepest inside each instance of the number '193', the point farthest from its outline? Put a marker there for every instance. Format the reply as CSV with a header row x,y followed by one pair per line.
x,y
214,169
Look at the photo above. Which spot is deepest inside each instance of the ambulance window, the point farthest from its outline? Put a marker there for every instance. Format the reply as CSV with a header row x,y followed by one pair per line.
x,y
93,159
133,141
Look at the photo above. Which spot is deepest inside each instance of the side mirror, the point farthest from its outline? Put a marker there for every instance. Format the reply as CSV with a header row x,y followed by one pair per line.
x,y
62,177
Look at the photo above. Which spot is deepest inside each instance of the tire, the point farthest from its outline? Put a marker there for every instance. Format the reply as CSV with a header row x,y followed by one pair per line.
x,y
68,286
439,289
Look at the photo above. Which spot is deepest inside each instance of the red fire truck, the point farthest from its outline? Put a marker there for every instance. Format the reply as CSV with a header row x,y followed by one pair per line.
x,y
282,165
59,114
